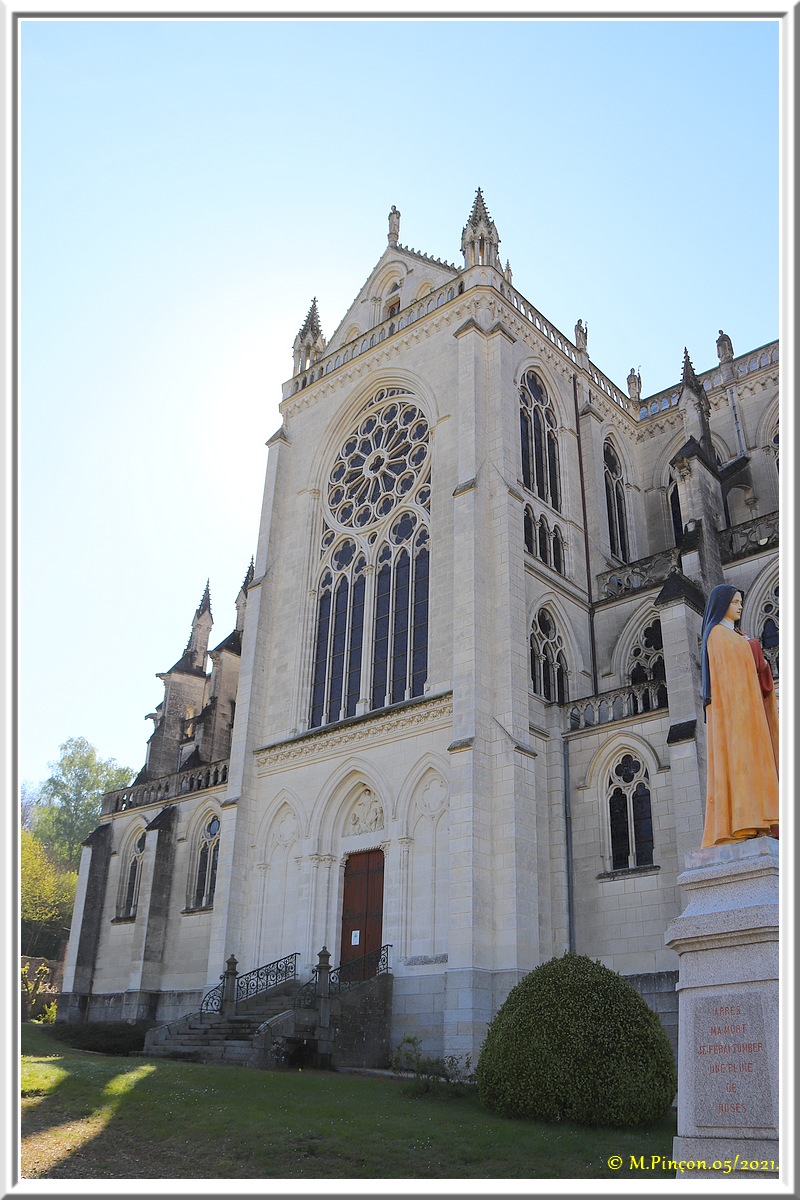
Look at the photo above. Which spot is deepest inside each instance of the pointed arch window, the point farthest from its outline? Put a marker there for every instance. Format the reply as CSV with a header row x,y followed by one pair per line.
x,y
131,878
539,441
615,503
203,881
674,501
548,664
371,638
629,815
646,671
545,544
768,625
775,444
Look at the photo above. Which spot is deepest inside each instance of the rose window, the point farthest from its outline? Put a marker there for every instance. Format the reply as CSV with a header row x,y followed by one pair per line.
x,y
380,464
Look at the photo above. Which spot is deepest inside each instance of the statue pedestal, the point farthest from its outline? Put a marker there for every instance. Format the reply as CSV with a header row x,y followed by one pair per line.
x,y
728,1064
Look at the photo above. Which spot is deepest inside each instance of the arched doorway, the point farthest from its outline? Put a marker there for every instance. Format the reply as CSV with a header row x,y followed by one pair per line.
x,y
362,914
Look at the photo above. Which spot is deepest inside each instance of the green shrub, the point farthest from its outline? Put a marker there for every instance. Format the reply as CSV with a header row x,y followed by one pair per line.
x,y
575,1042
430,1075
104,1037
49,1014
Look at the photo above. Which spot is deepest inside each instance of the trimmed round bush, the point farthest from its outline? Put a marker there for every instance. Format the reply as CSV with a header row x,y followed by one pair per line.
x,y
103,1037
575,1042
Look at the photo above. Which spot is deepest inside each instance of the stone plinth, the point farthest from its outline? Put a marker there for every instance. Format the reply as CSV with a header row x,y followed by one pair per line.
x,y
728,1063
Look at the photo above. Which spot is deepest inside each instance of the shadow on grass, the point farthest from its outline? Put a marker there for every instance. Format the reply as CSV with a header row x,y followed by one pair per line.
x,y
97,1117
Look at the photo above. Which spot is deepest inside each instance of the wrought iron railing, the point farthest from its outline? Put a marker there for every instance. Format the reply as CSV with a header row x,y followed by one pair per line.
x,y
283,970
345,976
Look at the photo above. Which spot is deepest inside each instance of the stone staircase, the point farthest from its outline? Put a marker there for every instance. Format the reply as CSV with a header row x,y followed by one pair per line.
x,y
243,1039
267,1018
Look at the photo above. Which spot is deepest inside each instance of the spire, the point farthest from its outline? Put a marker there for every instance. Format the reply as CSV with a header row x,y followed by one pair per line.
x,y
309,344
311,325
241,599
480,242
688,377
205,603
697,410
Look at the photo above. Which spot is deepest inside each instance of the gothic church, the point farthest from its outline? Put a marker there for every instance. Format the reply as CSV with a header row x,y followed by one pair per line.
x,y
457,725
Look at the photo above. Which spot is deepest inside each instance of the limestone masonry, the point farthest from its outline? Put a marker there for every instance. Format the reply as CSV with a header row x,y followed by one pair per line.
x,y
459,711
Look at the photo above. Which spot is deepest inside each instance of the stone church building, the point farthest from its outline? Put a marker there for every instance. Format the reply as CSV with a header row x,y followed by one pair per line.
x,y
458,714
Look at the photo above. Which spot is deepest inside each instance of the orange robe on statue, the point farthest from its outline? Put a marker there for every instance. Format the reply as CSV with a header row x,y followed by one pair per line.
x,y
742,737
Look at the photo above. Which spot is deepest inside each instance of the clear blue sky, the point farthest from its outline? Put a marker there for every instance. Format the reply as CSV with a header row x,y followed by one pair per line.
x,y
187,186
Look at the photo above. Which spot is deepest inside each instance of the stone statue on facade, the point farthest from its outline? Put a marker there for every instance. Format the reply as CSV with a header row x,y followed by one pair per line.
x,y
367,815
634,385
724,347
394,226
581,334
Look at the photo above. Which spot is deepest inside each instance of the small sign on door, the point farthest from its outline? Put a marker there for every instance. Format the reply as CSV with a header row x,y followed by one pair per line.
x,y
355,937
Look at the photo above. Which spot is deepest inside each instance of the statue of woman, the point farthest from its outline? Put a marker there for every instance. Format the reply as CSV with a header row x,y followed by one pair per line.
x,y
742,726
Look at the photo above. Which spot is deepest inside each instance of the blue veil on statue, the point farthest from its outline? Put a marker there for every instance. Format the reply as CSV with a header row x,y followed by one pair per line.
x,y
717,605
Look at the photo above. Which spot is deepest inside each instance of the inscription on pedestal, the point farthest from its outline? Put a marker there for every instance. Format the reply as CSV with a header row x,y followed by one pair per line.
x,y
733,1063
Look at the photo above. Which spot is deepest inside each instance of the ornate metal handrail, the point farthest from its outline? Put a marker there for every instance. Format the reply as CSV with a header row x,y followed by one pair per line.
x,y
212,1001
252,983
358,970
345,976
263,978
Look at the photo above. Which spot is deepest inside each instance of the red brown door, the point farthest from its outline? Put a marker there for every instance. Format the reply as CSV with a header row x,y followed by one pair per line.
x,y
362,911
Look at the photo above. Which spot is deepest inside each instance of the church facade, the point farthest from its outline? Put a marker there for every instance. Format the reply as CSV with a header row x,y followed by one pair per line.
x,y
459,714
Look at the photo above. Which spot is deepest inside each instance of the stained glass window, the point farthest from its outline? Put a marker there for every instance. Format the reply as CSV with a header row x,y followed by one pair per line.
x,y
630,815
374,564
539,441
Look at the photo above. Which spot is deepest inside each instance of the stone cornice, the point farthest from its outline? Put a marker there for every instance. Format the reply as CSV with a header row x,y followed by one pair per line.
x,y
372,729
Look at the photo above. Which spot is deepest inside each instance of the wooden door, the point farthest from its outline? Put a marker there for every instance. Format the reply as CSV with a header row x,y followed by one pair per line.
x,y
362,911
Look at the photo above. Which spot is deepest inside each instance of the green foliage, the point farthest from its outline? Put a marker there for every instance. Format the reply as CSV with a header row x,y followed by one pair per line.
x,y
104,1037
35,992
49,1014
430,1075
574,1041
47,894
68,806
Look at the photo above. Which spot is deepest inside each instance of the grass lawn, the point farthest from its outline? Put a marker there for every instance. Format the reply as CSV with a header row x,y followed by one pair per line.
x,y
90,1116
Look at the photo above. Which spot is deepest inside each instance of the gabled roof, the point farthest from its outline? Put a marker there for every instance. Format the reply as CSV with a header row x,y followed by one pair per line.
x,y
406,261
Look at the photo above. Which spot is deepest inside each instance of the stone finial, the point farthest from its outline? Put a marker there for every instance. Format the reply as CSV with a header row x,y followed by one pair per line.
x,y
634,385
581,334
724,348
507,273
394,226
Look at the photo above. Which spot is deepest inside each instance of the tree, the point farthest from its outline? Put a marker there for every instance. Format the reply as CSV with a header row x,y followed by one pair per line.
x,y
69,800
28,800
47,894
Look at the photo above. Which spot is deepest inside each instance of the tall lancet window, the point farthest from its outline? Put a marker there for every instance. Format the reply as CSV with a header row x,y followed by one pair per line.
x,y
371,637
615,503
548,664
540,464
